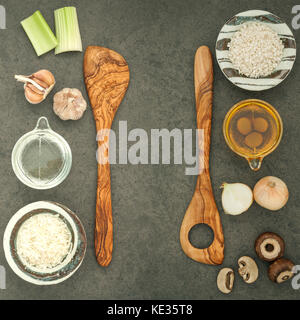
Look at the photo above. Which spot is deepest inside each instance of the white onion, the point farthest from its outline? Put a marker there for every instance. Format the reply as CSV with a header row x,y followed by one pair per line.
x,y
271,193
236,198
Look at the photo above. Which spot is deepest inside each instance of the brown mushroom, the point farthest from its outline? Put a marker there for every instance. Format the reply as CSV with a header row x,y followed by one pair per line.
x,y
225,280
248,269
281,270
269,246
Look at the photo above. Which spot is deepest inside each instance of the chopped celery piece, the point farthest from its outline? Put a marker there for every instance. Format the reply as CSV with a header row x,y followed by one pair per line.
x,y
67,30
39,33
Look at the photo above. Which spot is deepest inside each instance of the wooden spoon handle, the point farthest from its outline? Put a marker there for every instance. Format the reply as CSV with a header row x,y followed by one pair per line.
x,y
202,208
203,79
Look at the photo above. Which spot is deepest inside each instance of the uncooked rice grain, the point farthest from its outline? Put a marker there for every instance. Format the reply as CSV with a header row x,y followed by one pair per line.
x,y
255,50
43,241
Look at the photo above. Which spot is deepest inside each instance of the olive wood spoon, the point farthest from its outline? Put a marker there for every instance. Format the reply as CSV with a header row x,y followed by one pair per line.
x,y
202,208
106,76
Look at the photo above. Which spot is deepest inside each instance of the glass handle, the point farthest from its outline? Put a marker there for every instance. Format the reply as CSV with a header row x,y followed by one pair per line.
x,y
42,124
255,163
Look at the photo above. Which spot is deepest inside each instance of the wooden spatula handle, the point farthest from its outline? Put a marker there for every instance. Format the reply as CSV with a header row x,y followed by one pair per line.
x,y
103,219
202,208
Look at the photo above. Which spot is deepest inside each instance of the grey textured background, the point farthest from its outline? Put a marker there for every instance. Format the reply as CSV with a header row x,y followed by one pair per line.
x,y
158,38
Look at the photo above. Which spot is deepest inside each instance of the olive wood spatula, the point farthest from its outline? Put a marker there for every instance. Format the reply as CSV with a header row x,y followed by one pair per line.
x,y
202,208
106,76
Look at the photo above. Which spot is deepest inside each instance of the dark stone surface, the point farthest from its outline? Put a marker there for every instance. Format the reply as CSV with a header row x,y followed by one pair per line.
x,y
158,39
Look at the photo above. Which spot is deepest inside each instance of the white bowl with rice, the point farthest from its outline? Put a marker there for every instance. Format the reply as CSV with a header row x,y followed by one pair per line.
x,y
44,243
256,50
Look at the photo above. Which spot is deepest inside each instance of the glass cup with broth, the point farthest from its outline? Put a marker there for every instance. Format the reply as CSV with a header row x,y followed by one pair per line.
x,y
42,159
252,129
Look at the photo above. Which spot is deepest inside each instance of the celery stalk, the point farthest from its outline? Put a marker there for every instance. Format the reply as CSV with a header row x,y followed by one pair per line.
x,y
39,33
67,30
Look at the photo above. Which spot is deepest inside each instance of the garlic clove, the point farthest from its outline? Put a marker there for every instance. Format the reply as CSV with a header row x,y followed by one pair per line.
x,y
32,95
44,76
271,193
37,86
236,198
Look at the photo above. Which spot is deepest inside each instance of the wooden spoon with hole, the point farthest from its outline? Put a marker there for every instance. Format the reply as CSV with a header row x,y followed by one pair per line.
x,y
202,208
106,76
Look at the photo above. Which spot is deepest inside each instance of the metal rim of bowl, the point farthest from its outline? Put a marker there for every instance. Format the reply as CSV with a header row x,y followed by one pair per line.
x,y
59,178
256,87
72,261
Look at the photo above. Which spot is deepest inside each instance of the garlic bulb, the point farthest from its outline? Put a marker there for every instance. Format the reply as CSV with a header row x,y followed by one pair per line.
x,y
69,104
37,86
271,193
236,198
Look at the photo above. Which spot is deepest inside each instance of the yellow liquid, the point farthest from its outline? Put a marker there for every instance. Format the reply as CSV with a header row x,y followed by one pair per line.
x,y
252,129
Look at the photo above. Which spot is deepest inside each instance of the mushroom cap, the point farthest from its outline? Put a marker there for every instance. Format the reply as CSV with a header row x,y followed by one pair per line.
x,y
248,269
69,104
281,270
225,280
269,246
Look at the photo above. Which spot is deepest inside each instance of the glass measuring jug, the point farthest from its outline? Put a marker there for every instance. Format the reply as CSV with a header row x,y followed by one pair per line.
x,y
41,158
253,129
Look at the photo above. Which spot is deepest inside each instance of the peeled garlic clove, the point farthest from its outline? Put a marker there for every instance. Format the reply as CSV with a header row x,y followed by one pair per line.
x,y
236,198
37,86
271,193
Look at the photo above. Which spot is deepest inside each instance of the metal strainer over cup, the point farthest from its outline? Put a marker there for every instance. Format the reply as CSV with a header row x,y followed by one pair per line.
x,y
41,158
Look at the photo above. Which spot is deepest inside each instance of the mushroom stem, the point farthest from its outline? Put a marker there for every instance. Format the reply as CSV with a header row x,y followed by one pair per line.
x,y
25,79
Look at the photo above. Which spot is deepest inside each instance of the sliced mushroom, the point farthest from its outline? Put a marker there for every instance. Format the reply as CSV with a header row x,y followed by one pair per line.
x,y
269,246
248,269
225,280
281,270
